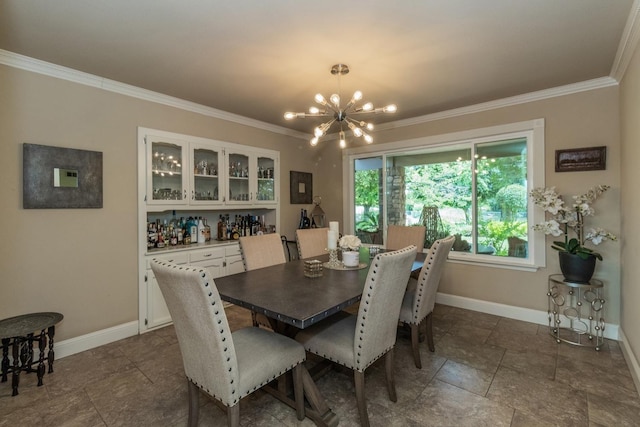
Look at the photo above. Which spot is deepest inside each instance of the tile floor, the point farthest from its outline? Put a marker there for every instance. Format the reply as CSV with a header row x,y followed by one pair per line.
x,y
486,371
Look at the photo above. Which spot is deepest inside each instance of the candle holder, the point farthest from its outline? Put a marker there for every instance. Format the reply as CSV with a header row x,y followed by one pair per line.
x,y
333,259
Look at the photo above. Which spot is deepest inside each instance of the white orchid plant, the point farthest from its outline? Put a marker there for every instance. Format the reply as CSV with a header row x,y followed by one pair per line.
x,y
349,242
566,219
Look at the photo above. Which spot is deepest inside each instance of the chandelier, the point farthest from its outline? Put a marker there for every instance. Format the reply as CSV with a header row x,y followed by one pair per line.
x,y
347,116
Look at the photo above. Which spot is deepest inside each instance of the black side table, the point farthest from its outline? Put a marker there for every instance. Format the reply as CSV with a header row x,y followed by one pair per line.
x,y
19,333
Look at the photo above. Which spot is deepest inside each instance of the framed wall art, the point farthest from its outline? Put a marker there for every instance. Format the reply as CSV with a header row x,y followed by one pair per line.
x,y
60,178
581,159
301,188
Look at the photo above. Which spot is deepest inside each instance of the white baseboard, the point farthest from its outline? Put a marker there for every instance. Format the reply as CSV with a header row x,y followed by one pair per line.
x,y
95,339
632,362
611,331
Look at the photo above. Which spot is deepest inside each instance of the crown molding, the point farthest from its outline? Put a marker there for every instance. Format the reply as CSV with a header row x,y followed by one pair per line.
x,y
37,66
628,43
52,70
569,89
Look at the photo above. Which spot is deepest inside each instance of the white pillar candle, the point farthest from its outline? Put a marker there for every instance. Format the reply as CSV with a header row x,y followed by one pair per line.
x,y
334,226
332,240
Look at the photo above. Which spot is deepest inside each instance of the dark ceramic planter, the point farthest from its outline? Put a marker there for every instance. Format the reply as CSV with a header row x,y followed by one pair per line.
x,y
575,269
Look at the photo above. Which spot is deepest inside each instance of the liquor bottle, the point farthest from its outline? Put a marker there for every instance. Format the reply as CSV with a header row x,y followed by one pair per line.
x,y
301,223
200,231
306,222
220,234
193,229
207,231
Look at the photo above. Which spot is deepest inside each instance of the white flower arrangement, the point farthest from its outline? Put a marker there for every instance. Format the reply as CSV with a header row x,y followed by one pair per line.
x,y
565,219
349,242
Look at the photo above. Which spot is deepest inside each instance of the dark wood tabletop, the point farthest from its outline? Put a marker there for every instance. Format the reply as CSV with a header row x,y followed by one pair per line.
x,y
283,293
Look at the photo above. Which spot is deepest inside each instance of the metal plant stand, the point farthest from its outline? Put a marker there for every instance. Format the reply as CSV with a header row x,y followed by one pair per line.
x,y
576,311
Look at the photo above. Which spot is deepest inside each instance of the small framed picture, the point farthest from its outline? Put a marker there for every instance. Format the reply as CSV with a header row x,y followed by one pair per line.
x,y
581,159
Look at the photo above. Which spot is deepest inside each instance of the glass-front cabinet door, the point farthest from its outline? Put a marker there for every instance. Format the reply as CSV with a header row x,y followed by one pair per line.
x,y
207,167
266,190
166,182
240,172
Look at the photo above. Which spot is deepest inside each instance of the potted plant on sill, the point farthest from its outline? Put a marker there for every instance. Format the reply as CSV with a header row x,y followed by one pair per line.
x,y
577,262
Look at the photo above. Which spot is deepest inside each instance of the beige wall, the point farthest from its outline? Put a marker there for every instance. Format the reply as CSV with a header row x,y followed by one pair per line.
x,y
83,262
630,152
583,119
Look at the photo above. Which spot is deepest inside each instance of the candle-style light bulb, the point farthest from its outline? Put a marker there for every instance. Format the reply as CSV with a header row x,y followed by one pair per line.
x,y
335,99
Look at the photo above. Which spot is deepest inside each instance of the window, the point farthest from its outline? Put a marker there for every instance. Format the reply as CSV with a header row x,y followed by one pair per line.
x,y
473,185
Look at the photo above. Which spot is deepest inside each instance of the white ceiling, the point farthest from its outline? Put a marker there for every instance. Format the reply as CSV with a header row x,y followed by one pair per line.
x,y
259,58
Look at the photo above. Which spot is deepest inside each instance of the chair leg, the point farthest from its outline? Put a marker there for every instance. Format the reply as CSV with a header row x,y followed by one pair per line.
x,y
415,347
298,391
233,415
429,326
194,404
391,381
362,403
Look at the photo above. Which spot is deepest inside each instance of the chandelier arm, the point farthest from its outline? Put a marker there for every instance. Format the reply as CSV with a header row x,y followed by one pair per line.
x,y
358,112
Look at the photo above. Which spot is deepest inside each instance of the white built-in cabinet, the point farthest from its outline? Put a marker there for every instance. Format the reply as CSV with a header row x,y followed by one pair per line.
x,y
220,261
189,171
186,174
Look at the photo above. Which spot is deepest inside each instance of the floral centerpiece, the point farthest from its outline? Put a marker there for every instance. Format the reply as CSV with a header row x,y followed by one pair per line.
x,y
349,242
350,246
571,219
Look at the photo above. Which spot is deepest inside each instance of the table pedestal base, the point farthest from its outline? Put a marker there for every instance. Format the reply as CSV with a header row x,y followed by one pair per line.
x,y
317,408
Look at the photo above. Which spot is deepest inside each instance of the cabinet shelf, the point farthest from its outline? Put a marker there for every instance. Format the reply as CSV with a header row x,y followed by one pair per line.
x,y
168,172
205,176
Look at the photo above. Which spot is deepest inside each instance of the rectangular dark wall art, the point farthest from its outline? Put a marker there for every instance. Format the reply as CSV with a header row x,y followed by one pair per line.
x,y
581,159
301,187
60,178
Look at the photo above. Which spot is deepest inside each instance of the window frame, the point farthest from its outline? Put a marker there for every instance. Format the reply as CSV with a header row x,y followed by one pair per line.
x,y
532,130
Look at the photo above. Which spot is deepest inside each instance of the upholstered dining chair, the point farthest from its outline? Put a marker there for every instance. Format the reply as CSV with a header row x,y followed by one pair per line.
x,y
311,242
226,365
356,341
420,296
262,251
258,252
400,236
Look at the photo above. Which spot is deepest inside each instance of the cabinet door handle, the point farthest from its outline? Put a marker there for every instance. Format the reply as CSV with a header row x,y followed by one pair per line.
x,y
193,195
207,255
185,194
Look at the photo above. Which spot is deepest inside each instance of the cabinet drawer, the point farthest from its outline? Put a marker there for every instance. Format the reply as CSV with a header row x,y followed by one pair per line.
x,y
176,258
205,254
232,250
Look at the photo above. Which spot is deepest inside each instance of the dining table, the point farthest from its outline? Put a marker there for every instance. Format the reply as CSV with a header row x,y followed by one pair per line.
x,y
292,301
